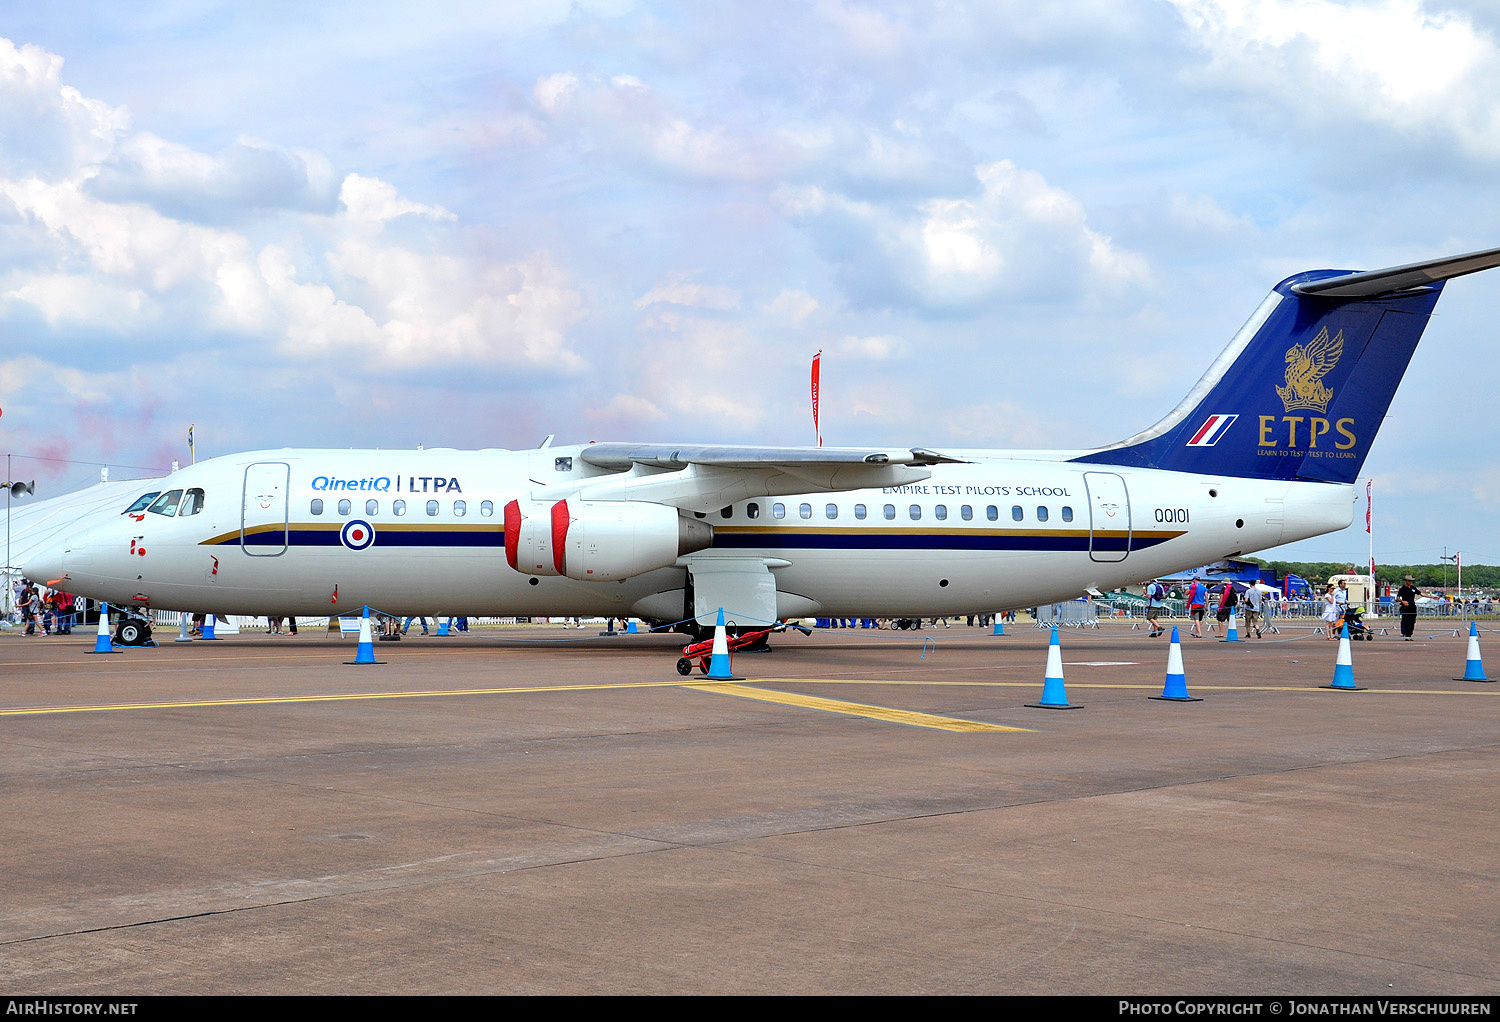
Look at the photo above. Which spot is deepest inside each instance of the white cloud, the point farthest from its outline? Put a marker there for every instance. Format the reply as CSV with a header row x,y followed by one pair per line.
x,y
249,176
1391,64
626,411
791,306
64,383
869,31
875,349
368,198
1004,424
108,253
624,117
47,127
701,296
552,91
1019,237
72,298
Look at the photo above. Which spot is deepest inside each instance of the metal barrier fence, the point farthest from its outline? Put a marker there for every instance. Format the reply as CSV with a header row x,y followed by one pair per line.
x,y
1469,610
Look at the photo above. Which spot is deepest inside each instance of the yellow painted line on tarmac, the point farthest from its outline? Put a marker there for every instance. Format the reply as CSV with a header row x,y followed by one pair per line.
x,y
338,697
732,688
1151,687
909,717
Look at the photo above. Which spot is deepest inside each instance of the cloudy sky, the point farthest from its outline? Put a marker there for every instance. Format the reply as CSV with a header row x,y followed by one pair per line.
x,y
471,225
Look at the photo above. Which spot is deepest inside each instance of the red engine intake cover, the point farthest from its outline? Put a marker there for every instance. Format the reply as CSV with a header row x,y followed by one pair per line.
x,y
560,521
512,531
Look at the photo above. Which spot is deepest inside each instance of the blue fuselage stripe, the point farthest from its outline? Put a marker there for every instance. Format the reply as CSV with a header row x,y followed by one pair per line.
x,y
778,539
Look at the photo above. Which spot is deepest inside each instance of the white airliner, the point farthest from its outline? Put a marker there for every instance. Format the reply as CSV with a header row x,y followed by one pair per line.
x,y
1263,451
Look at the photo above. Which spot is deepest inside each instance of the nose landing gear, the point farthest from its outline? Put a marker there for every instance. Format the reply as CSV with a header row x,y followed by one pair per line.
x,y
133,631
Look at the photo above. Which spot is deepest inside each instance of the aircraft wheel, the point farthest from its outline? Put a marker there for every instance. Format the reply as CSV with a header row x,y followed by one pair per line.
x,y
684,666
131,633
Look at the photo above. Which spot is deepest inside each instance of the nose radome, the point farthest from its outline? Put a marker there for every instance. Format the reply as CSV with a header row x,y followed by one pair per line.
x,y
46,565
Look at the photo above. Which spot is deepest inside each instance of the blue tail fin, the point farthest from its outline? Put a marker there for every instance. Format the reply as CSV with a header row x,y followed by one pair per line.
x,y
1302,389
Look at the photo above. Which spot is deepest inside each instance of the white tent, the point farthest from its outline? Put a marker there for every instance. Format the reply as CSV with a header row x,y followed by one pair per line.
x,y
31,525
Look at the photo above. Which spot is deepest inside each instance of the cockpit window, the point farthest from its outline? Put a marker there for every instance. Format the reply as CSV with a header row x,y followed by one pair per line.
x,y
167,503
192,503
142,502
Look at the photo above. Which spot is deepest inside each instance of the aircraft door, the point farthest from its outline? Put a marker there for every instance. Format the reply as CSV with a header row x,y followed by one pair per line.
x,y
1109,516
263,521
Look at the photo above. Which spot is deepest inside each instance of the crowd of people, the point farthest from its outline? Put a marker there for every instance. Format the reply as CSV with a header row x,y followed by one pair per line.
x,y
43,611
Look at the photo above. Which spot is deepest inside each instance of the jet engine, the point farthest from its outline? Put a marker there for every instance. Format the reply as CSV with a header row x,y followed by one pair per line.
x,y
599,540
528,538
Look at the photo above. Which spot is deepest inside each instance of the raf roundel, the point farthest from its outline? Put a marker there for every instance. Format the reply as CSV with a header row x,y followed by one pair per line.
x,y
357,534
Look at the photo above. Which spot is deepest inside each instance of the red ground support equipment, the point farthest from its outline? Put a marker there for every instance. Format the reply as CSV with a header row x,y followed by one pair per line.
x,y
702,651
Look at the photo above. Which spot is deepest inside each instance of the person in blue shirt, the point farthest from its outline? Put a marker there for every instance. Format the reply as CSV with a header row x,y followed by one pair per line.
x,y
1155,601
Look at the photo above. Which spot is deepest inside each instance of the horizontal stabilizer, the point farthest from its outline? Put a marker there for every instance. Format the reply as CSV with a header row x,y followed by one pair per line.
x,y
1373,283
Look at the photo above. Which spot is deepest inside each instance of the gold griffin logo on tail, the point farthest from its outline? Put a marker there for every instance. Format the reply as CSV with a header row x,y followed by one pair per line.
x,y
1306,365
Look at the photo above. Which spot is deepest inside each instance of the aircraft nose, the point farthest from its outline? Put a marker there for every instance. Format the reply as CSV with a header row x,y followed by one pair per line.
x,y
46,565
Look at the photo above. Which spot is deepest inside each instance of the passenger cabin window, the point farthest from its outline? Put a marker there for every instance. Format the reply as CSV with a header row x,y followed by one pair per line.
x,y
317,505
915,512
727,511
344,506
859,512
166,504
832,511
563,464
142,502
992,513
890,512
778,510
372,508
967,512
432,506
1067,514
192,503
940,512
804,510
752,511
486,508
398,508
1016,514
1041,514
460,508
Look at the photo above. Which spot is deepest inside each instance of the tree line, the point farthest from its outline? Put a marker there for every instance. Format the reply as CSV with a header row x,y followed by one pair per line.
x,y
1428,576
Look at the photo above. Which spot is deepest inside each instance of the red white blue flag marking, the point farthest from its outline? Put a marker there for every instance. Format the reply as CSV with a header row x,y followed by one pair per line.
x,y
1209,433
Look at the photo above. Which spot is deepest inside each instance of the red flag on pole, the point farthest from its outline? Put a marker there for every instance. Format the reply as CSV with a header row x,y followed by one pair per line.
x,y
1369,503
817,369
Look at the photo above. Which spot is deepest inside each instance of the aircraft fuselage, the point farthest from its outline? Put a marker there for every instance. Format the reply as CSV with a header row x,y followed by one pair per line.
x,y
321,532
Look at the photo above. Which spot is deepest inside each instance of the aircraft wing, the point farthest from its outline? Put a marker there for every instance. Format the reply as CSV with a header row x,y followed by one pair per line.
x,y
619,457
708,477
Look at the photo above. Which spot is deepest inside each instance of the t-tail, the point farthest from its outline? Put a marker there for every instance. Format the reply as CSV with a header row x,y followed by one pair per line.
x,y
1302,389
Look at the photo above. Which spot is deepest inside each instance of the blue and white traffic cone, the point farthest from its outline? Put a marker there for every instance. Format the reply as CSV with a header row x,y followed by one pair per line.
x,y
1054,693
1175,689
366,652
630,628
1343,668
101,641
208,629
1474,668
1233,634
443,626
719,668
182,630
999,626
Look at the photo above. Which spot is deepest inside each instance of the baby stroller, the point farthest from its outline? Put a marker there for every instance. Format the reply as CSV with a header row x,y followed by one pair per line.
x,y
1354,618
